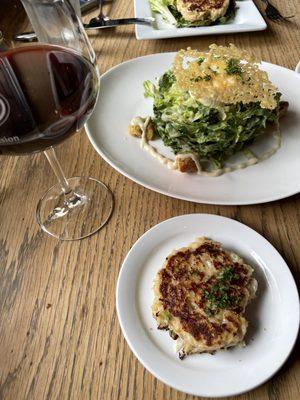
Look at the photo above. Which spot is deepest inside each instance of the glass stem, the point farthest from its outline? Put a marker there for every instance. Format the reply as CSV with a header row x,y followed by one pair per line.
x,y
51,157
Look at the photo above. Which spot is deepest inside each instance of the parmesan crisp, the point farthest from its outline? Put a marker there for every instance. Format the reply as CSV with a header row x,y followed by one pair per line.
x,y
224,75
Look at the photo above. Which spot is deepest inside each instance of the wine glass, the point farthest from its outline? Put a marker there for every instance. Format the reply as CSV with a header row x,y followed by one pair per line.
x,y
48,91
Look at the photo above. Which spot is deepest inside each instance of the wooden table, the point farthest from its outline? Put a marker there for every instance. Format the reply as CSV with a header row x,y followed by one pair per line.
x,y
59,333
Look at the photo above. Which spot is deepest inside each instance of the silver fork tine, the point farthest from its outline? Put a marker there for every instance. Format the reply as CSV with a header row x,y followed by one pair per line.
x,y
273,14
272,10
278,17
269,15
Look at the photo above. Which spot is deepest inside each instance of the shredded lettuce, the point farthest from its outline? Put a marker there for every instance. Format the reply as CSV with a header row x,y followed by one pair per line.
x,y
162,7
170,13
214,134
149,89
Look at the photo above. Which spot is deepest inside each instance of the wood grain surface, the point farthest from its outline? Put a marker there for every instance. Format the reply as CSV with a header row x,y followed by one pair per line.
x,y
59,333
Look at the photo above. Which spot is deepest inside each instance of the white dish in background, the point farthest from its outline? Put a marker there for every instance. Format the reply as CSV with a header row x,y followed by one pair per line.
x,y
247,19
121,98
298,68
273,316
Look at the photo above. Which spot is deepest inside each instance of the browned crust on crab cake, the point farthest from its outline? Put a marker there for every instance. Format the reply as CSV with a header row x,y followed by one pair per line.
x,y
199,10
200,296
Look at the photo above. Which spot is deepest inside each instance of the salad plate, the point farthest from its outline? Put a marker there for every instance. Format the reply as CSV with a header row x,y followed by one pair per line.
x,y
226,373
246,19
121,98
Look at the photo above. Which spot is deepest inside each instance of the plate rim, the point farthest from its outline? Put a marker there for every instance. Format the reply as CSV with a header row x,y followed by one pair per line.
x,y
165,192
236,28
129,342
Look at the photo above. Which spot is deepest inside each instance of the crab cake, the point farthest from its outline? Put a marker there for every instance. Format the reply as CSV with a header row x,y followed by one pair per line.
x,y
200,296
200,10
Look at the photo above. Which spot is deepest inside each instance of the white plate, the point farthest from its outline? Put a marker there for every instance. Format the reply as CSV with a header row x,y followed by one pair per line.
x,y
273,316
247,19
121,98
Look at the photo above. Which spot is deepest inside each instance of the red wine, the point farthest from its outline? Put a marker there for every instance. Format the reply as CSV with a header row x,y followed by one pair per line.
x,y
46,94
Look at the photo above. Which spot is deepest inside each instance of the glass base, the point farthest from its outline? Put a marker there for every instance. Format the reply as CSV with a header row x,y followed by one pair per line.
x,y
78,214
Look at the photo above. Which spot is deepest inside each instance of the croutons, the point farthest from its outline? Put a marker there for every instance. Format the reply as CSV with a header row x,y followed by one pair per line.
x,y
135,130
186,164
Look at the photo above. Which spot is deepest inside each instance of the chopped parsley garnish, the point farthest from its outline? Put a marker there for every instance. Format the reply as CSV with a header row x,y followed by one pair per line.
x,y
200,60
227,275
199,78
196,79
233,67
219,296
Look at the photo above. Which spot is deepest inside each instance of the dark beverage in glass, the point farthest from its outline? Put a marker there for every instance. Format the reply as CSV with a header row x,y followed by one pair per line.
x,y
46,94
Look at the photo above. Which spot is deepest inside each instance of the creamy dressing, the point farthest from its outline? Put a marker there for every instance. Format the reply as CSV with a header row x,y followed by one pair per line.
x,y
143,123
193,157
171,164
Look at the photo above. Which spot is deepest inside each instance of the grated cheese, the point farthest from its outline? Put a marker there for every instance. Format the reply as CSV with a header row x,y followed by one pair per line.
x,y
206,76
